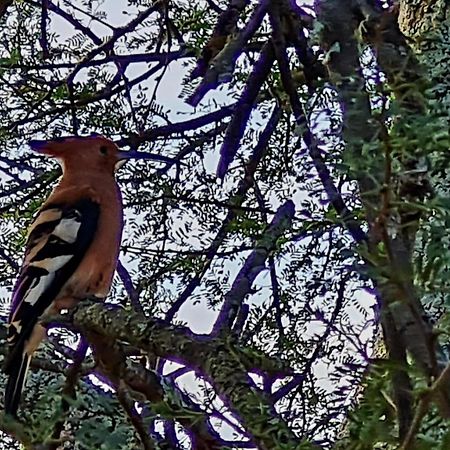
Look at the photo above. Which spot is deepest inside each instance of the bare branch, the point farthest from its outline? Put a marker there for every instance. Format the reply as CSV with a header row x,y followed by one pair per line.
x,y
252,267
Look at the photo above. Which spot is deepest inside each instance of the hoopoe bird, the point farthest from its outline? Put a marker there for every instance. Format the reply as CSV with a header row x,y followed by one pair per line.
x,y
72,247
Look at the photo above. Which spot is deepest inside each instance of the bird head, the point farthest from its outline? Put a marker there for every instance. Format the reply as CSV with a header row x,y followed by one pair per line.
x,y
93,152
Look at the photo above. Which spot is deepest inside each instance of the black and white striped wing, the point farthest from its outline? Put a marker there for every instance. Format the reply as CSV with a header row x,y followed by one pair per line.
x,y
57,241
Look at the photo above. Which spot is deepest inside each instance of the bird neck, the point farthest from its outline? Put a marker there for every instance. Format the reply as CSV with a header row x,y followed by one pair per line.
x,y
102,183
101,188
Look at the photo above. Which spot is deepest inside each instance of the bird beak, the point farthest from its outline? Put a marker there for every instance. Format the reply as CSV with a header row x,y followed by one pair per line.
x,y
133,154
123,157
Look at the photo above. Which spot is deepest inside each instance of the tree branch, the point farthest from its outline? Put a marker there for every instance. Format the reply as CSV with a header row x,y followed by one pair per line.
x,y
222,66
225,26
244,107
253,266
221,361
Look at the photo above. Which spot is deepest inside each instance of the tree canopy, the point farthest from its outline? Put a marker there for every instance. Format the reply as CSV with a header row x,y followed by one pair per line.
x,y
282,282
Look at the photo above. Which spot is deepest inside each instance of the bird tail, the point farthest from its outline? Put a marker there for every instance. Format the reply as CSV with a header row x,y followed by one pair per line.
x,y
17,370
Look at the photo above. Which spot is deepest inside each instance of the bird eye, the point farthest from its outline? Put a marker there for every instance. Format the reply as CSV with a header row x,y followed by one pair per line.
x,y
103,150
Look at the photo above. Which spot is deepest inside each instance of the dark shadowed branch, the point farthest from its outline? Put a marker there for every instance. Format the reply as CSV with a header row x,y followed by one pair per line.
x,y
133,293
252,267
225,26
244,107
222,66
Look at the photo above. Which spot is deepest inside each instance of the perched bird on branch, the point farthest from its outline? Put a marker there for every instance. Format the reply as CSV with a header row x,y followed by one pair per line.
x,y
72,247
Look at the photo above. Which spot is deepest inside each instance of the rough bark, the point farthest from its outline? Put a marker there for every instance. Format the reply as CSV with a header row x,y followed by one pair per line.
x,y
225,364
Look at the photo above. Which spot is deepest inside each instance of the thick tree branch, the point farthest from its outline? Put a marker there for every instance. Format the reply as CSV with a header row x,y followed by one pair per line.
x,y
223,362
393,269
133,379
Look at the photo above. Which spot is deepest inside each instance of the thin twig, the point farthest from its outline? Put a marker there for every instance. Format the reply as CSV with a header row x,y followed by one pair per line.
x,y
132,292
